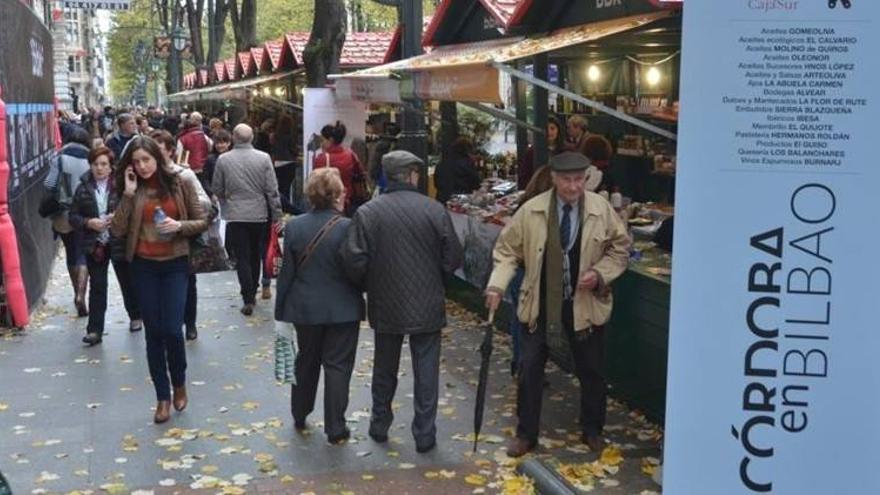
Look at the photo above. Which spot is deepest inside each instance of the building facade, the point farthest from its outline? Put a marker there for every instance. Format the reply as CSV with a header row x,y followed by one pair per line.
x,y
80,44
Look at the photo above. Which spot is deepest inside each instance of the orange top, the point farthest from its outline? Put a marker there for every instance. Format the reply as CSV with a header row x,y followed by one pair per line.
x,y
150,243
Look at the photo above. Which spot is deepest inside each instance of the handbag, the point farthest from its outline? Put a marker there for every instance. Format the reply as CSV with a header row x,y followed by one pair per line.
x,y
207,253
274,255
360,187
50,205
285,354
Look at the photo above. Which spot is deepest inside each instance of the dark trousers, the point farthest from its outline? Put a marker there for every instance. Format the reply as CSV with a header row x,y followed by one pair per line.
x,y
332,347
425,351
588,351
161,290
247,241
98,292
192,301
73,251
285,175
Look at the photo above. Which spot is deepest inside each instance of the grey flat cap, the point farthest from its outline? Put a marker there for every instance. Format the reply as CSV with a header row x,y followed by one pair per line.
x,y
569,161
399,161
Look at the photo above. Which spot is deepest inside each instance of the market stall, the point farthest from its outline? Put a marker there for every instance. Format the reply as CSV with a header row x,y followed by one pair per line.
x,y
616,65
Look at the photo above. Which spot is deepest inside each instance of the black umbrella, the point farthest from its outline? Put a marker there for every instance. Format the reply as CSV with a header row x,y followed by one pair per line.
x,y
485,354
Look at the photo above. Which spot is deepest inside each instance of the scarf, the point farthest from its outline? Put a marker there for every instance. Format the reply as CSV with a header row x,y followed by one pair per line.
x,y
555,269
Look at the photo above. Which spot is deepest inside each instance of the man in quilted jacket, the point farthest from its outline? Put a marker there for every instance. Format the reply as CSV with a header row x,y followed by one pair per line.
x,y
400,247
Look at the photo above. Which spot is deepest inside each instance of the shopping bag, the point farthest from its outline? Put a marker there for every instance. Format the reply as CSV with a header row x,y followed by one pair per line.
x,y
285,353
274,255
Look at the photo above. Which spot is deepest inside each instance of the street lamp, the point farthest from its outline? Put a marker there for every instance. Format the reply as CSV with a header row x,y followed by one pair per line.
x,y
178,37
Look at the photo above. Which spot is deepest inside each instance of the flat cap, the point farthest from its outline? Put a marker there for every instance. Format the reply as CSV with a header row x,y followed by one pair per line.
x,y
569,161
398,161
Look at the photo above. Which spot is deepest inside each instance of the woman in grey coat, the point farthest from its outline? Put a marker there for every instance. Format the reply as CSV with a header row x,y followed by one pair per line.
x,y
315,295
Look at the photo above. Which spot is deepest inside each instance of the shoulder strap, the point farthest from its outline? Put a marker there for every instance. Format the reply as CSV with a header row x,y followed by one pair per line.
x,y
313,244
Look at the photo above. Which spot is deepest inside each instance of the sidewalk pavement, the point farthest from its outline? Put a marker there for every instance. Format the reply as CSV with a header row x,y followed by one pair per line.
x,y
78,420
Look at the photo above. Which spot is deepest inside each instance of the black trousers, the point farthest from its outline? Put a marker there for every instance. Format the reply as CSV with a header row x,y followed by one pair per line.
x,y
192,302
247,241
332,347
425,351
588,351
98,292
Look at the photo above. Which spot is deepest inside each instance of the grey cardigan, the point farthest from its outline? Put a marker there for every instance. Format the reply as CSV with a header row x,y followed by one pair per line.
x,y
319,293
244,181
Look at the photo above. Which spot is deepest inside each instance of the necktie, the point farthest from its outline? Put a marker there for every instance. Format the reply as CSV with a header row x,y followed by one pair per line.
x,y
565,227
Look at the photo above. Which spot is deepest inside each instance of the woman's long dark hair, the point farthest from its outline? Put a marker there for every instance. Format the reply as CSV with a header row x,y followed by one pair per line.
x,y
559,144
167,180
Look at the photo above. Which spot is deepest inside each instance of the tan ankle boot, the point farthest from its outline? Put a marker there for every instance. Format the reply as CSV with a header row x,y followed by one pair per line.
x,y
163,412
180,398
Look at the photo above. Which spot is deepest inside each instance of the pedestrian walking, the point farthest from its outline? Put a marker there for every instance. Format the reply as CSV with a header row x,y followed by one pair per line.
x,y
94,202
283,142
334,154
573,246
193,146
316,296
60,186
244,182
222,144
127,129
166,144
400,247
158,214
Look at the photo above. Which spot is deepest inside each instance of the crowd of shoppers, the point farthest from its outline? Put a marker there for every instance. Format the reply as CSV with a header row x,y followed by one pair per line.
x,y
137,201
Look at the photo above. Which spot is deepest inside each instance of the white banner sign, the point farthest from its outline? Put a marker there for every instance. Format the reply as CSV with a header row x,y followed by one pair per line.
x,y
322,107
774,385
98,4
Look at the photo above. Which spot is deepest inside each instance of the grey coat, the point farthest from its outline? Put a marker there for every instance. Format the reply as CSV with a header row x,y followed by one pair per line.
x,y
319,293
244,180
400,247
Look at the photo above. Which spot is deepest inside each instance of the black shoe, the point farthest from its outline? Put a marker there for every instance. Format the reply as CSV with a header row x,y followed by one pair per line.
x,y
300,425
379,437
136,326
426,447
247,309
92,339
191,333
342,437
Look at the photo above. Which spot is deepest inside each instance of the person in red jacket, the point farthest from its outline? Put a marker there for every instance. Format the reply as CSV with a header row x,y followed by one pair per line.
x,y
333,154
194,144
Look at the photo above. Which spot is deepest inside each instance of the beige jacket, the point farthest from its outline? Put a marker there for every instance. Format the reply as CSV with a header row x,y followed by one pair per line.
x,y
129,214
604,248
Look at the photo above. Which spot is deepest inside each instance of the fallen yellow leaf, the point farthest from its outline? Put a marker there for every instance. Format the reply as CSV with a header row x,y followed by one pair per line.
x,y
210,469
475,479
367,477
611,456
287,478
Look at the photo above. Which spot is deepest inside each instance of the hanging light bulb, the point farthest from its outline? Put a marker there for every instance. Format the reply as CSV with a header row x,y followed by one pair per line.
x,y
653,76
267,91
593,73
279,91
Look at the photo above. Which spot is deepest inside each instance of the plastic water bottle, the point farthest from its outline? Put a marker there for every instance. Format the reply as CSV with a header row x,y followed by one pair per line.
x,y
159,216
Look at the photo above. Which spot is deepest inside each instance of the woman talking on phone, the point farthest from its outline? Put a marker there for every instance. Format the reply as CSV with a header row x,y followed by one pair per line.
x,y
158,214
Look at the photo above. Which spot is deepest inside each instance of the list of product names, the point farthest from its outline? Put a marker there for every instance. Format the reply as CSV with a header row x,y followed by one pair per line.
x,y
795,84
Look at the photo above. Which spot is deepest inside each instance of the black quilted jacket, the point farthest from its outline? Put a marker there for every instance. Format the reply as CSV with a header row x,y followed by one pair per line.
x,y
400,247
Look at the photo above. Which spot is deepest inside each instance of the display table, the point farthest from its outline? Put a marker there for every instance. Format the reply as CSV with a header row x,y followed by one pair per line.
x,y
637,335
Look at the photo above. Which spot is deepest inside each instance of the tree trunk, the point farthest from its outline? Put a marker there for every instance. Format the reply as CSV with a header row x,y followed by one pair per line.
x,y
194,11
244,24
216,29
322,53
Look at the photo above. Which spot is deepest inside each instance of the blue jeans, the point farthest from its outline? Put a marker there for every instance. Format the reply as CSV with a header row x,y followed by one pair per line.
x,y
161,288
515,325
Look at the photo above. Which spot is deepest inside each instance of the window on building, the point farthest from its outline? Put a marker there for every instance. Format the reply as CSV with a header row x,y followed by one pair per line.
x,y
74,64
